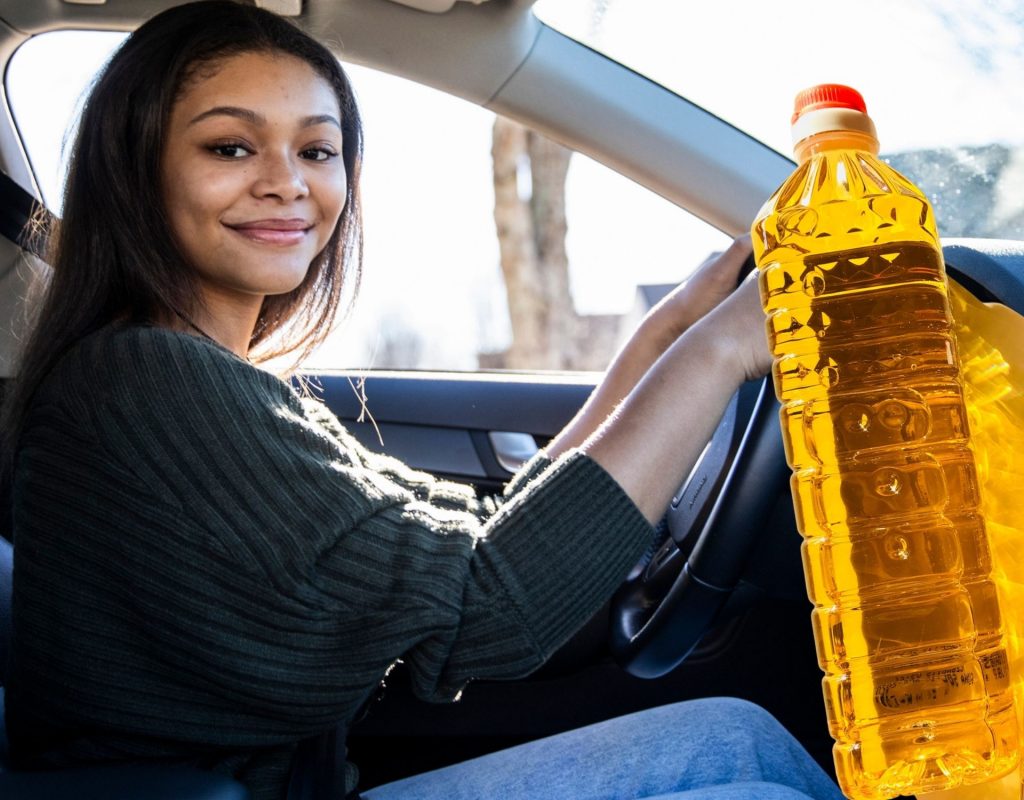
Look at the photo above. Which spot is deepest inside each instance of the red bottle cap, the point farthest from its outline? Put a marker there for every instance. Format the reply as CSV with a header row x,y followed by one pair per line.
x,y
828,95
831,107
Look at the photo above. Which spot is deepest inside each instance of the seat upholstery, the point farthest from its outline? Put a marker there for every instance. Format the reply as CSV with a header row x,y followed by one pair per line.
x,y
128,782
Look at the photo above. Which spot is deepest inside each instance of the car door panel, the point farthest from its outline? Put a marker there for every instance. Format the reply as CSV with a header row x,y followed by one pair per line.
x,y
453,425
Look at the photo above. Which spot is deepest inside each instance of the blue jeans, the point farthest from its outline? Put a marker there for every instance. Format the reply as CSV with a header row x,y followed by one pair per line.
x,y
714,749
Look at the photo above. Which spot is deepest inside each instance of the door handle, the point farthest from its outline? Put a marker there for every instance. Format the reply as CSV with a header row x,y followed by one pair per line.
x,y
512,449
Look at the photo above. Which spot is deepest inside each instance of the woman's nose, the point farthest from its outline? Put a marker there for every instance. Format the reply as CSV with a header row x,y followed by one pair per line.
x,y
280,175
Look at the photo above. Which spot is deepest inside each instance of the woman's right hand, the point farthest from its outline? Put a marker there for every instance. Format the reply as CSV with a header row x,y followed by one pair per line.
x,y
741,324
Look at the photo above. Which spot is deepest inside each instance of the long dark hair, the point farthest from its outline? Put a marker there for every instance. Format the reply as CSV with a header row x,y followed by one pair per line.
x,y
113,255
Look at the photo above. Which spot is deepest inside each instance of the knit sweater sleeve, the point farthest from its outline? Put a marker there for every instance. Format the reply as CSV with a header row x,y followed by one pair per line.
x,y
367,568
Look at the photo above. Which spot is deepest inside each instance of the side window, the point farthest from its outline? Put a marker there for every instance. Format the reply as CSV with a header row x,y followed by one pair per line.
x,y
487,246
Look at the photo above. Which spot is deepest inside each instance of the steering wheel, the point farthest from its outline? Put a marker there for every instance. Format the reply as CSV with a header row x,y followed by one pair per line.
x,y
673,595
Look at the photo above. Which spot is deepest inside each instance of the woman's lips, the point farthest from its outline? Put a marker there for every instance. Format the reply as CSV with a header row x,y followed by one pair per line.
x,y
273,231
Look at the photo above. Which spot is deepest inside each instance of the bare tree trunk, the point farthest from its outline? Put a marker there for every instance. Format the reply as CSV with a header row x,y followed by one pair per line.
x,y
549,168
515,240
531,238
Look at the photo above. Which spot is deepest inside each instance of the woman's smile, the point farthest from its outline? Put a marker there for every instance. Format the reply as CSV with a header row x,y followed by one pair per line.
x,y
276,232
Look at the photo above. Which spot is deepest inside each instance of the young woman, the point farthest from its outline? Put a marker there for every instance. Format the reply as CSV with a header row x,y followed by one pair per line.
x,y
209,569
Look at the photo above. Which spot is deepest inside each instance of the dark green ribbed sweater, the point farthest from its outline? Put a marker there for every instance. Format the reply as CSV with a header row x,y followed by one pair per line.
x,y
209,569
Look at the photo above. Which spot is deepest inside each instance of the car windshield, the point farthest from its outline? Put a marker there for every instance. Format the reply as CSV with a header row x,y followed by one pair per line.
x,y
941,79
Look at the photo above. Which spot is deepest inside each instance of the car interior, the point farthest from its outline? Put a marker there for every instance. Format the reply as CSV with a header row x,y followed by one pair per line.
x,y
718,606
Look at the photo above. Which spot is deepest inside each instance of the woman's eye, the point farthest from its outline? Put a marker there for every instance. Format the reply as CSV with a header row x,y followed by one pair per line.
x,y
318,154
230,150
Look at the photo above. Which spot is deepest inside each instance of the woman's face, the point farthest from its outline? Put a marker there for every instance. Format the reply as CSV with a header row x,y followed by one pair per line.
x,y
253,177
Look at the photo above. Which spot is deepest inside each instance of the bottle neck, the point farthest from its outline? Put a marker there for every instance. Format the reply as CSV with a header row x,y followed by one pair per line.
x,y
834,140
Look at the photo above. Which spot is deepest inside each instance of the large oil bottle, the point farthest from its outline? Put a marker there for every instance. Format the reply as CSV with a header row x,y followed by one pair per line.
x,y
896,557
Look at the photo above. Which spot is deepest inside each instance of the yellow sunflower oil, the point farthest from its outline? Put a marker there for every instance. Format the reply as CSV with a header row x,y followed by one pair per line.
x,y
896,554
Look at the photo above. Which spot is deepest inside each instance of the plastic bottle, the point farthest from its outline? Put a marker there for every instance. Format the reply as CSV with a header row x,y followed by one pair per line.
x,y
897,562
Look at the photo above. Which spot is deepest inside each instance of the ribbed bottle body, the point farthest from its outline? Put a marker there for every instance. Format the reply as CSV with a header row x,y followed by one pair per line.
x,y
906,618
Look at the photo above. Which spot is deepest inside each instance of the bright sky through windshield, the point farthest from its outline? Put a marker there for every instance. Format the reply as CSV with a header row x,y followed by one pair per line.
x,y
934,73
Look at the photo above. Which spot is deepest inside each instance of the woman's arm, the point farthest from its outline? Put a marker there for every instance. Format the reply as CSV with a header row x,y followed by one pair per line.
x,y
713,281
653,438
